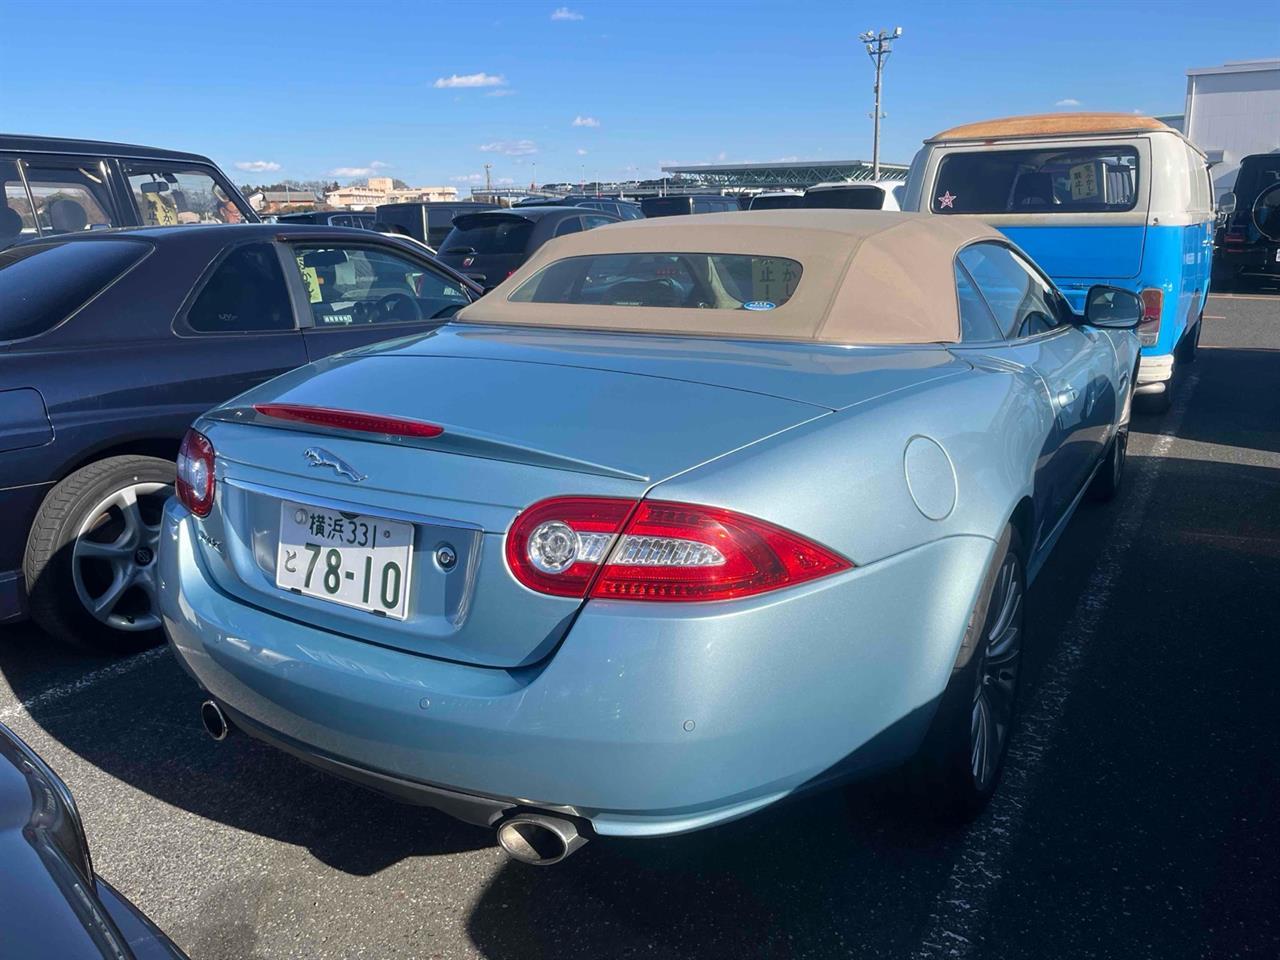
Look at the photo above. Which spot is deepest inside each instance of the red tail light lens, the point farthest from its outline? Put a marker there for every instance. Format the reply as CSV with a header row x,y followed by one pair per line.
x,y
556,546
349,420
1149,325
658,550
196,483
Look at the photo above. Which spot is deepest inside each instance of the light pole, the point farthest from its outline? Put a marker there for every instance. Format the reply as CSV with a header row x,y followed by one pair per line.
x,y
879,46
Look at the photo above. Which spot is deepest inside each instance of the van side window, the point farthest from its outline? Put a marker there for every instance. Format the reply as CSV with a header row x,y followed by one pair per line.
x,y
1021,301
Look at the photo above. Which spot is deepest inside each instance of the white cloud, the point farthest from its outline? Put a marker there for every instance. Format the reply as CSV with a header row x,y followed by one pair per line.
x,y
1067,102
581,152
350,171
501,92
470,80
1138,112
564,13
258,166
378,165
581,121
469,178
503,181
510,148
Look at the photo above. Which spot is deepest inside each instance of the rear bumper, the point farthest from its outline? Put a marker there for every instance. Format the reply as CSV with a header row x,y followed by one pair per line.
x,y
645,722
1154,373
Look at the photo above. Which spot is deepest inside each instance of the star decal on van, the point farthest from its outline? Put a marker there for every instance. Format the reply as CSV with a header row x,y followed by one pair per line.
x,y
947,200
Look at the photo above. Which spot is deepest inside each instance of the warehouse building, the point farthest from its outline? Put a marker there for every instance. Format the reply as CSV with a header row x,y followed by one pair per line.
x,y
1233,111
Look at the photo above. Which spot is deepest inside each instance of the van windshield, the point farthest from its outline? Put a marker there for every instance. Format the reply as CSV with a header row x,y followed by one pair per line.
x,y
1101,179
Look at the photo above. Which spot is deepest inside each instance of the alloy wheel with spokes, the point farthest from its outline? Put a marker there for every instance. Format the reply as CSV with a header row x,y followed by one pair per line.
x,y
113,557
995,693
90,564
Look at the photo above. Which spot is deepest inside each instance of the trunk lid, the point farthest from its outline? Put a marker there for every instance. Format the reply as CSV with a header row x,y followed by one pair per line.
x,y
514,433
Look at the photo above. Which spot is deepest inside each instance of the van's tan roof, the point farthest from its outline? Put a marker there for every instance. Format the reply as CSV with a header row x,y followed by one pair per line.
x,y
1051,124
869,276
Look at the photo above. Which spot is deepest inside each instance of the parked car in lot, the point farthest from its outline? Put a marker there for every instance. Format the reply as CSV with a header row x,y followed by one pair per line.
x,y
55,906
680,206
54,186
112,342
776,200
1094,198
488,247
530,567
622,209
332,218
427,223
1249,245
855,195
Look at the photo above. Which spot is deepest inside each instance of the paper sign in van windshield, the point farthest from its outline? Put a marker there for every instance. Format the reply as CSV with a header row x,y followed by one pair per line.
x,y
759,305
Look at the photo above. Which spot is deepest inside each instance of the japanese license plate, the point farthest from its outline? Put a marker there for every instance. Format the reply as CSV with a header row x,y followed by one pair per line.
x,y
348,558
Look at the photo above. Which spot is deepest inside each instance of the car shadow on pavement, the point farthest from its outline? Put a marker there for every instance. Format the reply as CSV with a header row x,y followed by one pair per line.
x,y
141,726
1220,418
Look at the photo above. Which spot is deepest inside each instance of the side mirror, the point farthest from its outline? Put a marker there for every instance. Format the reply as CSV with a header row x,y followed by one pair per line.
x,y
1112,308
1227,204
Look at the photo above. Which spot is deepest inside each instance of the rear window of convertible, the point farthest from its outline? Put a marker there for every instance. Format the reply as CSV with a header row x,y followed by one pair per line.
x,y
707,281
41,284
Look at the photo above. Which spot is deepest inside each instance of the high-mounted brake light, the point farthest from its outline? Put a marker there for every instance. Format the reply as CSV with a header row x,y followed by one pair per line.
x,y
657,550
349,420
196,483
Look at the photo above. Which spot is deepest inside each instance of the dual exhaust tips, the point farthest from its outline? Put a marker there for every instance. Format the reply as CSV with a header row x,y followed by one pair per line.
x,y
534,838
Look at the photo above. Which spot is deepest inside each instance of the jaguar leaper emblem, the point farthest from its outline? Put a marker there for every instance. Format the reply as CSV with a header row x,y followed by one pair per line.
x,y
320,457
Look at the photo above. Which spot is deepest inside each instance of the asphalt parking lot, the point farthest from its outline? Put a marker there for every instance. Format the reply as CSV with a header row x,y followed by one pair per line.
x,y
1140,816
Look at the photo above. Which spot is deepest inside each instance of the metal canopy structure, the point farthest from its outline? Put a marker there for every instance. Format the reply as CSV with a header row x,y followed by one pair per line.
x,y
772,176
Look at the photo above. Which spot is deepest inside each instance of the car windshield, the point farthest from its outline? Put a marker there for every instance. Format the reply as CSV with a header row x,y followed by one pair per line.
x,y
717,281
1101,179
488,235
844,198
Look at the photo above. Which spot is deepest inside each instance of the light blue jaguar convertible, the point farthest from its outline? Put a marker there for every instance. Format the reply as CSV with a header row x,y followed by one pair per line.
x,y
688,516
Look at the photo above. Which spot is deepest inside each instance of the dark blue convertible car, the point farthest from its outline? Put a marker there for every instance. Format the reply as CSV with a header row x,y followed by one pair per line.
x,y
113,341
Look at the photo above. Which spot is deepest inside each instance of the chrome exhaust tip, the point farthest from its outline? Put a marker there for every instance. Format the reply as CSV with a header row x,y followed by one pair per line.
x,y
214,720
538,839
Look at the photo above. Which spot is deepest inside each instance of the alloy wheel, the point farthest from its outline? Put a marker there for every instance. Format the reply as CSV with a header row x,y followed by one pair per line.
x,y
113,557
997,677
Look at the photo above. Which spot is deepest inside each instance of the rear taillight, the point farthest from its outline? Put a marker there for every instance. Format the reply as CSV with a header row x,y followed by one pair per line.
x,y
196,483
1149,325
349,420
657,550
1234,237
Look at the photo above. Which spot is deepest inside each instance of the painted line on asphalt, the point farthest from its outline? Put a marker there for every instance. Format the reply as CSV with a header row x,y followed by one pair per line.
x,y
961,907
82,683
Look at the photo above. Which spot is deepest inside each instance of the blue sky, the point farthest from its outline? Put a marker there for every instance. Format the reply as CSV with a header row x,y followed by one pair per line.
x,y
604,88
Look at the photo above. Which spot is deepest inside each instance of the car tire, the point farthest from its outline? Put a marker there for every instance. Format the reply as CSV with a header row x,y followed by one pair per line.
x,y
90,558
960,762
1107,482
1190,345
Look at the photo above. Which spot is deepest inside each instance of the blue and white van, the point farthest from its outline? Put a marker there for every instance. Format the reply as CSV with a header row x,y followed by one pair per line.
x,y
1093,198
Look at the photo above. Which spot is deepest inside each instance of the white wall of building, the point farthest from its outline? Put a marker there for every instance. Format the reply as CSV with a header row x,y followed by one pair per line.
x,y
1233,111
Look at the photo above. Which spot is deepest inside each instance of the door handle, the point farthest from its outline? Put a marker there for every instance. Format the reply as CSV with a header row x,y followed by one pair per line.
x,y
1066,397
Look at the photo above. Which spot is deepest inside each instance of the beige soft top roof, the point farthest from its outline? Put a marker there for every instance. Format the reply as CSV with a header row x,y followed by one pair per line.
x,y
1049,125
869,276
